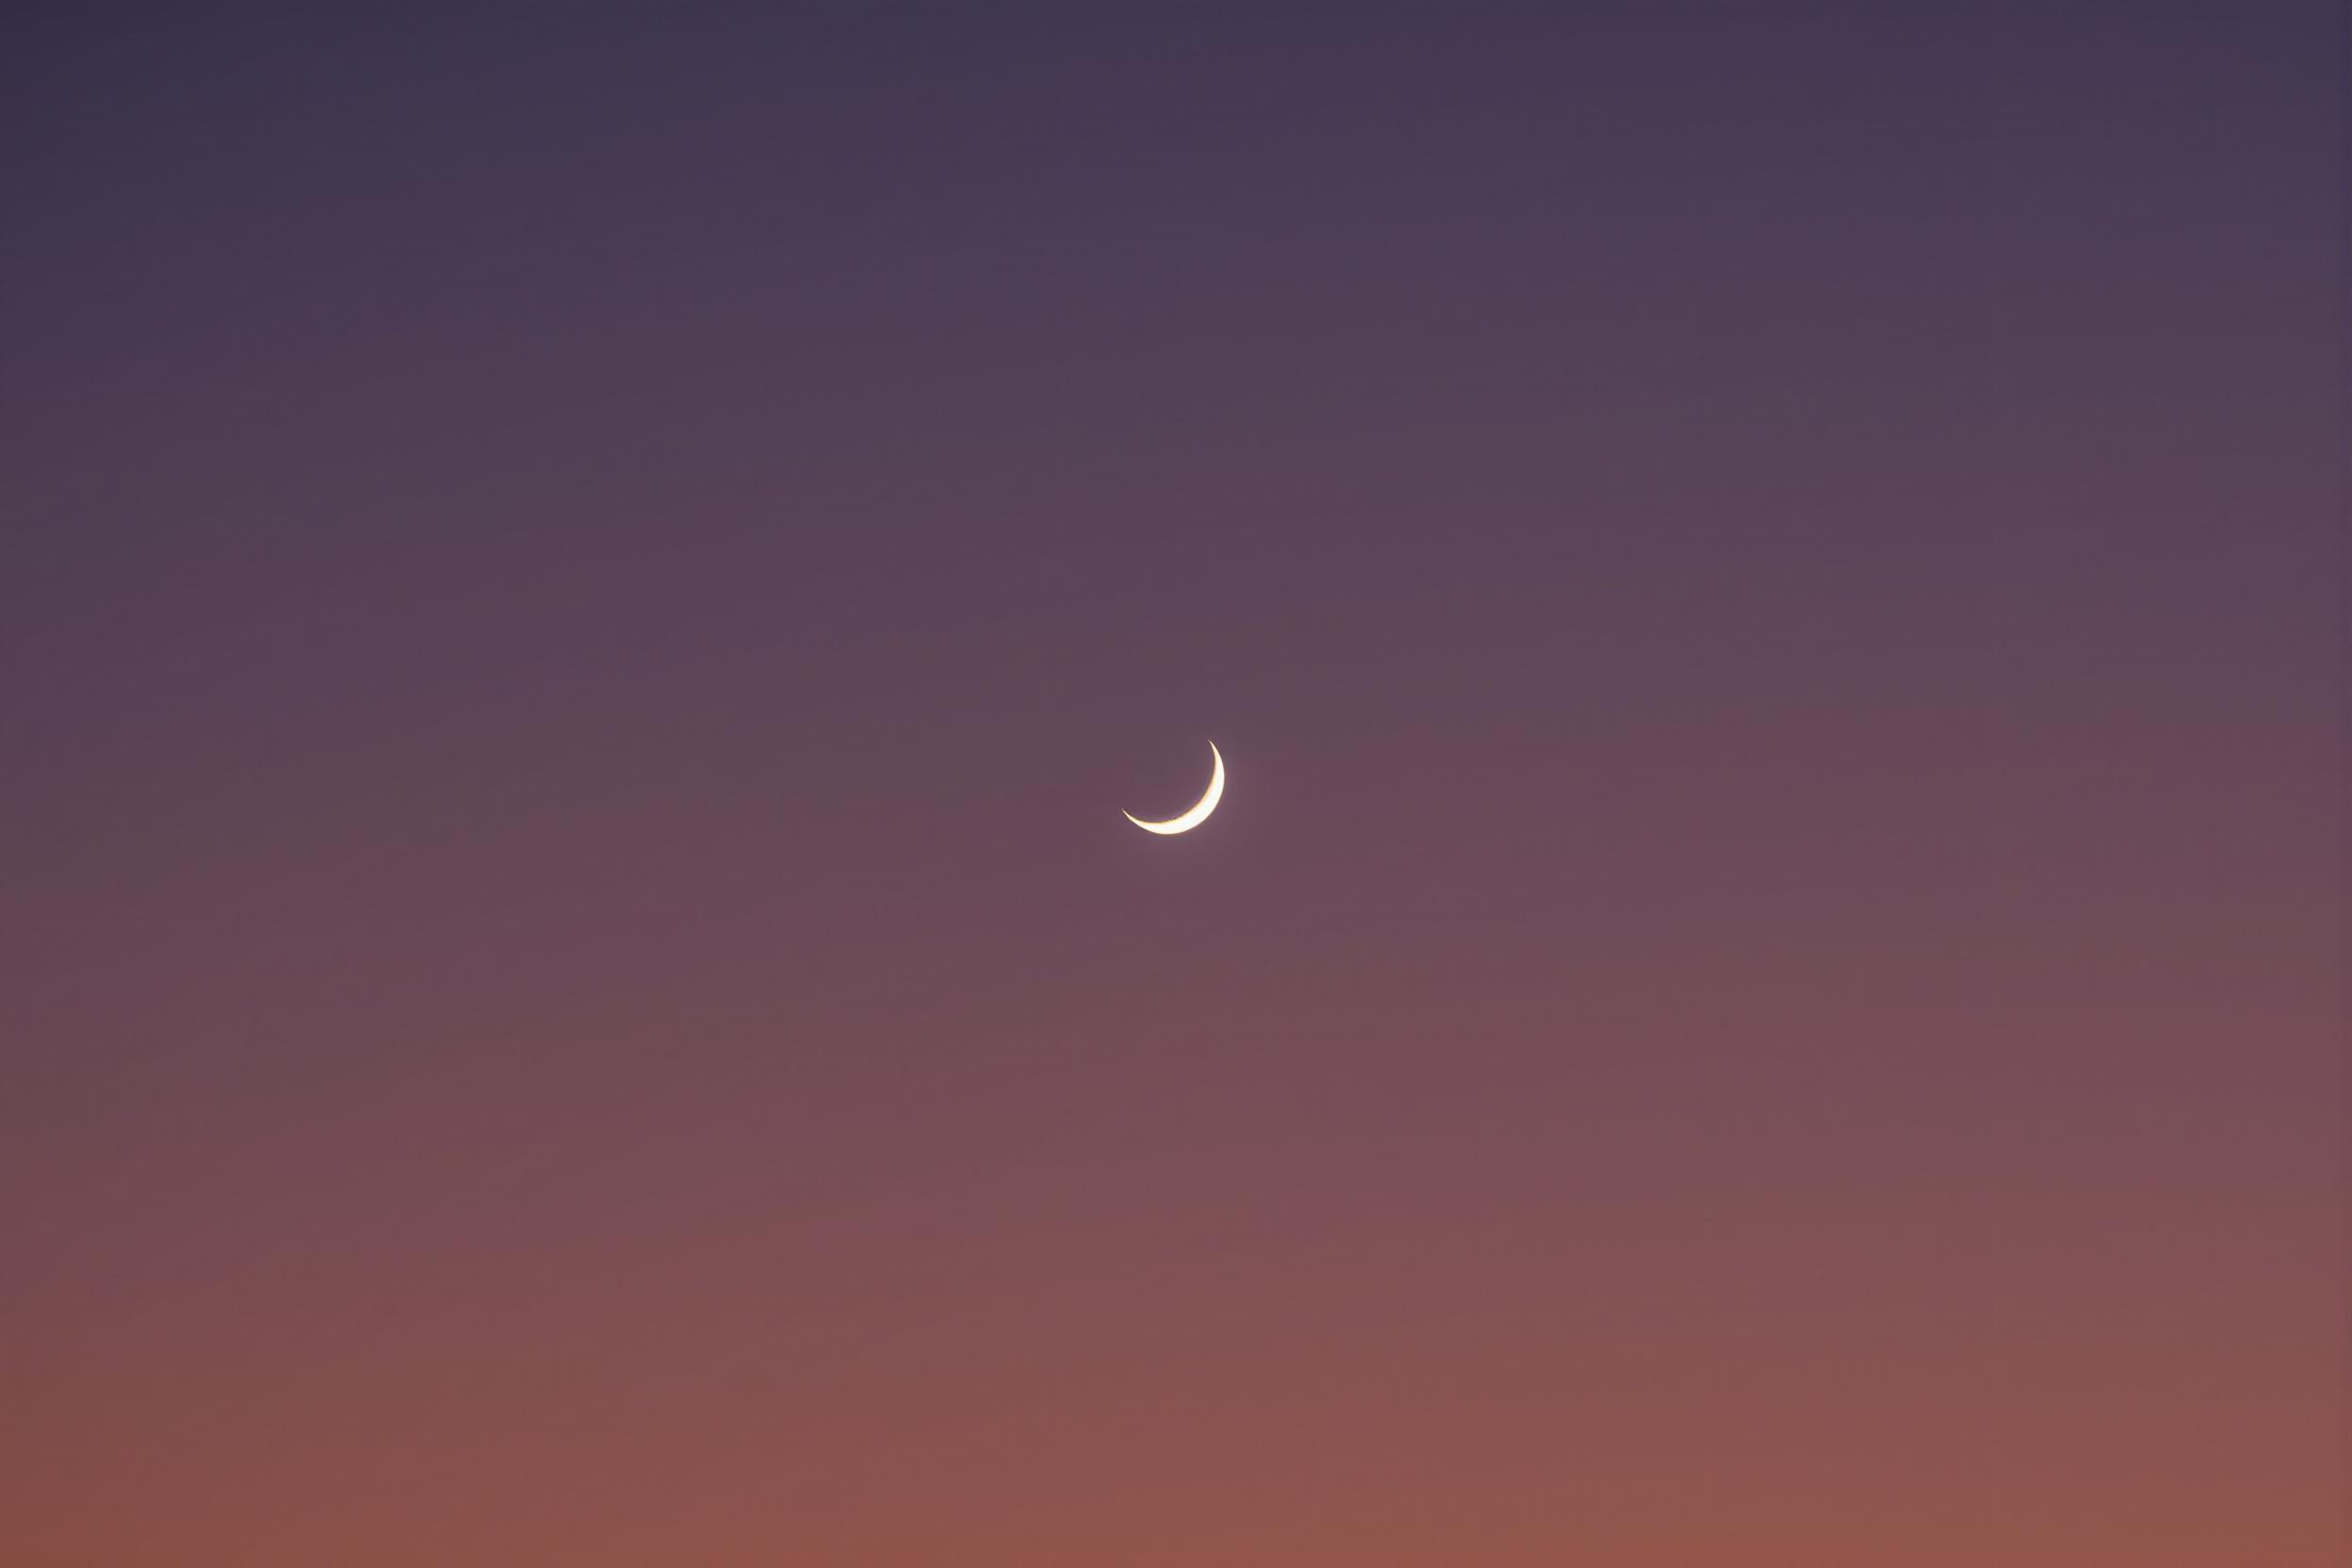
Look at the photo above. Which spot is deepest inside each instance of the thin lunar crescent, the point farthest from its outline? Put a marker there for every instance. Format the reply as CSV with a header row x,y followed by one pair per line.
x,y
1201,809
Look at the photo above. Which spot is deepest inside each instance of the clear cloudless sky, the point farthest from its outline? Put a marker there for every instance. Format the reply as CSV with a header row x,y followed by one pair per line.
x,y
583,589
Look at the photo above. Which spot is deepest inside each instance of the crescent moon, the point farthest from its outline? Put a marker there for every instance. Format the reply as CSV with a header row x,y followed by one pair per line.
x,y
1201,809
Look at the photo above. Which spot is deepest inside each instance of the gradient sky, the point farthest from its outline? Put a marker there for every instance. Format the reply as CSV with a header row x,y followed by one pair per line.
x,y
582,598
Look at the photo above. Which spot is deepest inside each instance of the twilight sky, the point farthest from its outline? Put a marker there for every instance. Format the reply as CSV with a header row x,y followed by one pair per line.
x,y
583,597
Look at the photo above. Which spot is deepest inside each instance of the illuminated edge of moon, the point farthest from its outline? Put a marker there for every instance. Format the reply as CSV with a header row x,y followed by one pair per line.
x,y
1201,809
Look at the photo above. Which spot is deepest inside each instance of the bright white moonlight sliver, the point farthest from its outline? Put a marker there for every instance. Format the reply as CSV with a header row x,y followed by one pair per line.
x,y
1201,809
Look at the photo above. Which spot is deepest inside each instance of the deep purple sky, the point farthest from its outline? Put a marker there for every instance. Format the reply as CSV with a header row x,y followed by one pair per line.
x,y
581,598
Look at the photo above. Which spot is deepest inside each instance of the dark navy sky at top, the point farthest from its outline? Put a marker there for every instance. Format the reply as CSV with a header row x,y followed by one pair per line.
x,y
867,423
